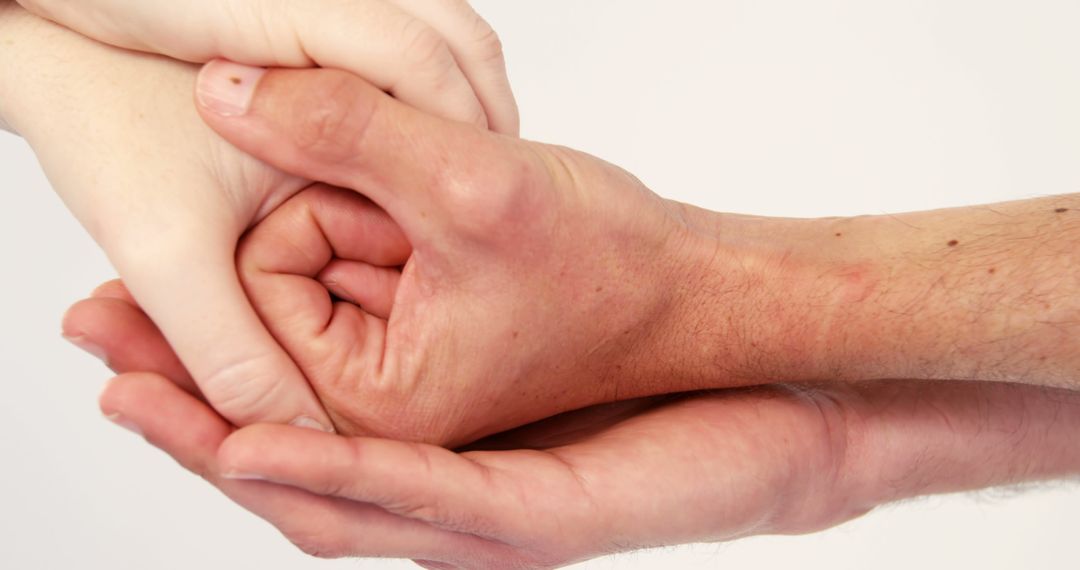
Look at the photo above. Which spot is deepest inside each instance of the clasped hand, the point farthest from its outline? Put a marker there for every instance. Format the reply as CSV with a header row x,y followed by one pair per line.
x,y
445,287
486,282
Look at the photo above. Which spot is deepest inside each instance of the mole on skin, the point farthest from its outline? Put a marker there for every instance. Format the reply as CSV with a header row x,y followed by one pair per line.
x,y
236,80
1061,210
953,243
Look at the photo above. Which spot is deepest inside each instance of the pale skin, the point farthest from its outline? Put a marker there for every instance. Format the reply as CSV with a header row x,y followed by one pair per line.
x,y
166,198
439,56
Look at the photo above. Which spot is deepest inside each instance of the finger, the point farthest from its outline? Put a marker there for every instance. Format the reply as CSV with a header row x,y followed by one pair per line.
x,y
192,433
818,457
423,482
402,55
333,126
124,335
195,298
367,286
478,51
279,262
399,53
280,259
114,289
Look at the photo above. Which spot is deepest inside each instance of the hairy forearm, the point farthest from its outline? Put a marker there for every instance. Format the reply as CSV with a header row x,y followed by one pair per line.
x,y
985,292
896,439
982,292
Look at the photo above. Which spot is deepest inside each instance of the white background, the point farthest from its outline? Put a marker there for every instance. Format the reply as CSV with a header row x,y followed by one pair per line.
x,y
780,107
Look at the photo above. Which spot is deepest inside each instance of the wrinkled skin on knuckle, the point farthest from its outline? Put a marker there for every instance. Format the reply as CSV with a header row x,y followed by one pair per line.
x,y
425,50
242,389
333,123
487,45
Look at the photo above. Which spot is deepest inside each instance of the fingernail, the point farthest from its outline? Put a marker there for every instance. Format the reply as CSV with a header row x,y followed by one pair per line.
x,y
238,476
124,423
227,88
83,343
309,423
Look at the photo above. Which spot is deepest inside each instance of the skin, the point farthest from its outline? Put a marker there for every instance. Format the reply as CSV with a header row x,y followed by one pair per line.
x,y
769,460
436,55
165,197
508,281
483,223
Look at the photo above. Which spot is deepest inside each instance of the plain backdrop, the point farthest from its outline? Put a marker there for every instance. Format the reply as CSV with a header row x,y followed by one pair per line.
x,y
780,107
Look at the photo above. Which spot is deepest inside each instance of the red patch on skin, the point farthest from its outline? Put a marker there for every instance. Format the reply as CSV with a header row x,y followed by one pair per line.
x,y
857,283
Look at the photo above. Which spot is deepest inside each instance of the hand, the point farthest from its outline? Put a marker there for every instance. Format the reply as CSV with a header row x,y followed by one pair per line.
x,y
165,197
712,467
437,55
511,280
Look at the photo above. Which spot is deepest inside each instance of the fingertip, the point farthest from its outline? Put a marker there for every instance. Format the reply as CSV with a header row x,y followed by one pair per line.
x,y
226,89
120,393
114,289
254,451
72,324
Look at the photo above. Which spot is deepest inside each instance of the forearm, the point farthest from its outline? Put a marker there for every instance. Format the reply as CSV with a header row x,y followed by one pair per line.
x,y
983,292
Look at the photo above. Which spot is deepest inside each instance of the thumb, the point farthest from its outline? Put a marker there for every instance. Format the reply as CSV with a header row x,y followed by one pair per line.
x,y
337,128
194,296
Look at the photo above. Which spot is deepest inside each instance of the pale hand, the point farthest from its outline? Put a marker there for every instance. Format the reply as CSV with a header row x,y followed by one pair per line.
x,y
437,55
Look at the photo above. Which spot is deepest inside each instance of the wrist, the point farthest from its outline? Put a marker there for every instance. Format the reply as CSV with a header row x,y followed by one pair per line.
x,y
9,12
31,50
763,300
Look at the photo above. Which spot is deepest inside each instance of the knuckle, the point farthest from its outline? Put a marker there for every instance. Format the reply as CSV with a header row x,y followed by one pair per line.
x,y
334,122
424,46
428,55
487,45
507,200
243,389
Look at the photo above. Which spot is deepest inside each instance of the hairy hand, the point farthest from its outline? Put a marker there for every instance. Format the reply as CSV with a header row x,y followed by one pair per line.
x,y
488,281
